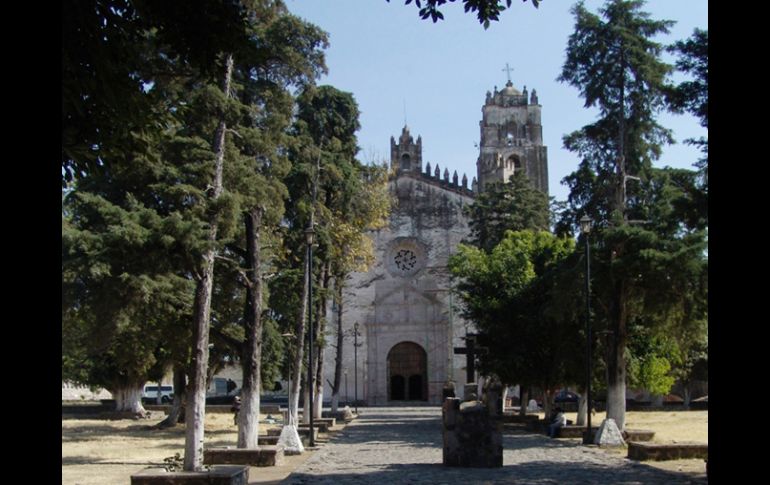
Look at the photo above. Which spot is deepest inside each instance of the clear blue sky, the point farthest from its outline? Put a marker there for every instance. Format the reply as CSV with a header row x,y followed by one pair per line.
x,y
388,57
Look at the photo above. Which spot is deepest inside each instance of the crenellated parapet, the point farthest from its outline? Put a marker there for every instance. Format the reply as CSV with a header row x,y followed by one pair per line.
x,y
441,178
406,158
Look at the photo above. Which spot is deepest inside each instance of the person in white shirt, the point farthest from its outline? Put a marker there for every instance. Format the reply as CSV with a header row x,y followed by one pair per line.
x,y
558,421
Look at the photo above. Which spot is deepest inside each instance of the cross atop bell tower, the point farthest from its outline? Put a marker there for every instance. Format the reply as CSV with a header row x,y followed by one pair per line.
x,y
508,71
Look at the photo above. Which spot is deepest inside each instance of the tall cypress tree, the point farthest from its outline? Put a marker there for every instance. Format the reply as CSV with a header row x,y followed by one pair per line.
x,y
616,66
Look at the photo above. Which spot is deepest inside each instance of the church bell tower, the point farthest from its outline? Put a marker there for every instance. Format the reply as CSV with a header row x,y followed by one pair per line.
x,y
512,138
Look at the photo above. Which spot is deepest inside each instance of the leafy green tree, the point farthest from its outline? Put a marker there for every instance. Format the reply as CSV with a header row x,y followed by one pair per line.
x,y
118,303
180,179
512,206
486,10
649,364
110,57
258,166
516,295
364,207
328,189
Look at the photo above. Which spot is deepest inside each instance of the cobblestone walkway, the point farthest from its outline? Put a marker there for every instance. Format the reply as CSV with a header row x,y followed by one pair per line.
x,y
404,446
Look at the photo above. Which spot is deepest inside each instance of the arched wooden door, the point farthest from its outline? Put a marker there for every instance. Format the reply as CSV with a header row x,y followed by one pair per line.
x,y
407,372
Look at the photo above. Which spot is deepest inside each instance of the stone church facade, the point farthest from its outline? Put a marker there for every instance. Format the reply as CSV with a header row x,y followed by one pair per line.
x,y
408,317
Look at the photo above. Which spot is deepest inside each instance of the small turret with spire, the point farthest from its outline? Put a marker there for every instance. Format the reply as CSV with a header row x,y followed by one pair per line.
x,y
406,155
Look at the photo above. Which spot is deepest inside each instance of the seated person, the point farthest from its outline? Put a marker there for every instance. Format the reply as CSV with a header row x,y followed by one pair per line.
x,y
557,422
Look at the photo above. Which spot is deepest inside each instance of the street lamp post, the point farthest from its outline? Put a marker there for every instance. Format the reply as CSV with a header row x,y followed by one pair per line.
x,y
355,371
309,233
347,396
585,228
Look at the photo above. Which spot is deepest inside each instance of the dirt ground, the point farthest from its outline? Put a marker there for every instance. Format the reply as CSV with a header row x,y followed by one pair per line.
x,y
669,427
107,452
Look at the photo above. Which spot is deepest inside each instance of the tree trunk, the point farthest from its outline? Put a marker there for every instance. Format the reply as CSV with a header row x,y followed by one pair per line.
x,y
582,415
547,403
196,393
319,343
300,340
687,395
248,416
523,400
338,283
176,414
158,397
306,404
616,368
128,399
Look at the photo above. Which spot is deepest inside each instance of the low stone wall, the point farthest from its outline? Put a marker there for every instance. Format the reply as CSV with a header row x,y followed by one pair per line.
x,y
267,455
664,451
638,434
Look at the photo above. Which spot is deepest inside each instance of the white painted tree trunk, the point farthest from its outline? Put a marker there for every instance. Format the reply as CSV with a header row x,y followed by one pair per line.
x,y
306,407
298,358
248,416
159,395
582,416
335,402
195,413
547,404
129,399
318,402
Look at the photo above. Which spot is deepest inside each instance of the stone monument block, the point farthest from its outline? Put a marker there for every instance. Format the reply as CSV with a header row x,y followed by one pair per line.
x,y
472,437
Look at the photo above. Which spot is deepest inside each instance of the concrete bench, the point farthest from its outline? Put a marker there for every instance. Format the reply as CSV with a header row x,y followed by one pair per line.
x,y
270,409
572,431
638,435
667,451
267,440
322,426
517,418
218,475
303,432
262,456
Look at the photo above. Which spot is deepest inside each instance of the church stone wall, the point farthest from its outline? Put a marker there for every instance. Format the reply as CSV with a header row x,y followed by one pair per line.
x,y
406,295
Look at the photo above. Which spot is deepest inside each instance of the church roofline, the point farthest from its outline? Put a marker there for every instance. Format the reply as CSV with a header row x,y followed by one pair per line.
x,y
438,183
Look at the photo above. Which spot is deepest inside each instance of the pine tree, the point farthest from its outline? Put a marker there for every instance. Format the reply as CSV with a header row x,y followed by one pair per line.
x,y
646,256
512,206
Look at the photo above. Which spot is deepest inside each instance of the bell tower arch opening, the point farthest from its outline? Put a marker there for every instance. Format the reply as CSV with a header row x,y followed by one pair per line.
x,y
407,372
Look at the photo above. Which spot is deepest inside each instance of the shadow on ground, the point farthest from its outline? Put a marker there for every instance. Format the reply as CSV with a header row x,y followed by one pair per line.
x,y
526,473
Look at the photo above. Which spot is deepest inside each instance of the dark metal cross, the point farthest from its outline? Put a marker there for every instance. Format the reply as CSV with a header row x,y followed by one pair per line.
x,y
470,352
508,71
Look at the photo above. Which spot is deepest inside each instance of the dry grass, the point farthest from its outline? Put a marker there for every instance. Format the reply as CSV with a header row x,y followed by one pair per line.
x,y
105,452
669,426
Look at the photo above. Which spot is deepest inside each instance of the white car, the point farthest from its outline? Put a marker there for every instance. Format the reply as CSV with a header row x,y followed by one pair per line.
x,y
151,393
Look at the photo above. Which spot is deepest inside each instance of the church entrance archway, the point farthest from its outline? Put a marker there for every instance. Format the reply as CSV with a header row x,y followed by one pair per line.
x,y
408,372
